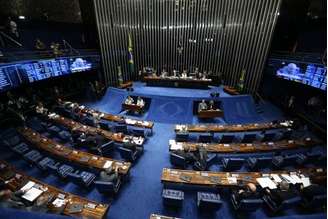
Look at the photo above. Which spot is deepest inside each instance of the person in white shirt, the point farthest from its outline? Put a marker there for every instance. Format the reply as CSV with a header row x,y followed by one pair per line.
x,y
184,74
202,106
140,101
129,100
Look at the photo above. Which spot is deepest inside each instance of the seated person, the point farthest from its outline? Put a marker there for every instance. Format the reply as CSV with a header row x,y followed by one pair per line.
x,y
312,190
176,73
204,76
164,73
189,156
283,192
211,105
129,100
202,106
184,74
250,191
199,75
201,158
110,175
131,145
140,101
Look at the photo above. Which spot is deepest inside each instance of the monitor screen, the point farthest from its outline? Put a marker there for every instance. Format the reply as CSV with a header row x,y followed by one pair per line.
x,y
14,74
314,75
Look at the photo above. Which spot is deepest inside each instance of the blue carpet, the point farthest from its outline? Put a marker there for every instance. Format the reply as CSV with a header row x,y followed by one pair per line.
x,y
141,196
240,109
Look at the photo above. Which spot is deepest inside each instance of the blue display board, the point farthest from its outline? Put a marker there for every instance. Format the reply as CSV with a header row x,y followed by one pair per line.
x,y
314,75
14,74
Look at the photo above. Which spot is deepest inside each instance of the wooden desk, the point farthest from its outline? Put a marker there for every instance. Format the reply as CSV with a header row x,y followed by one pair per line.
x,y
234,128
243,147
110,117
72,125
18,179
170,81
209,114
65,153
157,216
227,179
126,85
133,107
231,90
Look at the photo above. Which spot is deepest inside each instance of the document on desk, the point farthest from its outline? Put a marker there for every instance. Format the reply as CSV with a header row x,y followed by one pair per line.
x,y
288,178
108,164
276,178
305,181
28,186
32,194
266,182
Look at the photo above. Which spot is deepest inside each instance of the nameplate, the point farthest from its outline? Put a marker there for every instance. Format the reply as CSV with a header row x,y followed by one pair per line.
x,y
90,205
232,180
226,145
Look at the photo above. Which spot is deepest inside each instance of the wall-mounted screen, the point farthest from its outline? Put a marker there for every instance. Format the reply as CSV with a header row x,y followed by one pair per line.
x,y
14,74
314,75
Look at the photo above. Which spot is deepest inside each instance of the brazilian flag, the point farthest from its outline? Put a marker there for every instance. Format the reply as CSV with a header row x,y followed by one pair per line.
x,y
130,56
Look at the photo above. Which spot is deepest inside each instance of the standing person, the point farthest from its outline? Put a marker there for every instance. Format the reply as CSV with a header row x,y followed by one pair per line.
x,y
13,27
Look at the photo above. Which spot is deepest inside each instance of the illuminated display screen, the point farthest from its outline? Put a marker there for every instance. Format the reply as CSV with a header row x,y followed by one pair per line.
x,y
14,74
314,75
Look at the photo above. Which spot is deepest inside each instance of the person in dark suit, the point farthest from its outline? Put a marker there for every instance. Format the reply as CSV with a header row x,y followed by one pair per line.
x,y
283,192
201,158
110,175
250,191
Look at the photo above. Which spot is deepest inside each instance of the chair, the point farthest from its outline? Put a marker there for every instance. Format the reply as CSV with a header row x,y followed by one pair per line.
x,y
246,205
53,168
87,120
54,130
232,163
313,156
128,154
105,187
205,138
64,169
182,136
208,200
33,156
268,136
211,159
314,196
248,138
35,124
172,197
225,139
121,128
178,160
21,148
286,134
42,164
138,132
106,148
284,161
64,136
83,178
105,126
12,141
259,163
281,206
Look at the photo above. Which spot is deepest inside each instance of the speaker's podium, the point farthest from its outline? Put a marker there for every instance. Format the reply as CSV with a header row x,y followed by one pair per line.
x,y
210,113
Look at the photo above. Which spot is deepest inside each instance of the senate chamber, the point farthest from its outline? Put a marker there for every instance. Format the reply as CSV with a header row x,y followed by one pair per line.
x,y
163,109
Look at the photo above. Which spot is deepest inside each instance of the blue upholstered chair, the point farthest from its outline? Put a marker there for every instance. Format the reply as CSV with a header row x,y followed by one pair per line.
x,y
121,128
21,148
105,126
268,137
283,205
35,124
53,168
205,138
177,160
208,201
64,136
286,134
211,159
138,132
107,187
33,156
172,197
226,139
54,130
12,141
128,154
42,164
232,163
106,148
284,161
87,120
257,163
182,136
83,178
313,156
248,138
64,169
246,205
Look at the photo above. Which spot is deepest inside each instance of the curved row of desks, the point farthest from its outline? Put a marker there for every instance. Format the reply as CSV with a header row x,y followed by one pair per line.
x,y
233,179
58,201
81,158
107,116
72,125
234,127
243,147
